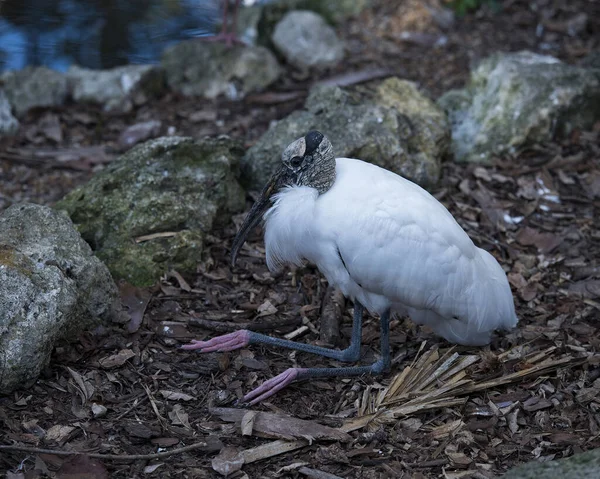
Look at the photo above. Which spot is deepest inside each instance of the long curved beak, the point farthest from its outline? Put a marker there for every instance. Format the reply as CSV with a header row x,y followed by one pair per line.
x,y
279,179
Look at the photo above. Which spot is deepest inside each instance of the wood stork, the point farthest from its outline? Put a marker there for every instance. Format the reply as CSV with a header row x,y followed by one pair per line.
x,y
385,242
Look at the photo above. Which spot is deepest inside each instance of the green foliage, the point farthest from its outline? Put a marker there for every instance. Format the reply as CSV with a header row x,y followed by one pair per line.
x,y
461,7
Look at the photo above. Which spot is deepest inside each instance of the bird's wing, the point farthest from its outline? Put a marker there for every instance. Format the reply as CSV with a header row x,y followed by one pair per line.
x,y
395,239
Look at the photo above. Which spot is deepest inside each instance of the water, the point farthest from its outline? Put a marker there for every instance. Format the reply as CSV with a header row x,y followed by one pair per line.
x,y
98,33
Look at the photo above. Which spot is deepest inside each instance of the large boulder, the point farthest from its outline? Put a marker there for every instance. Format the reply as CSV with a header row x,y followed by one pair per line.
x,y
210,69
390,124
8,123
118,89
306,41
51,285
518,99
151,209
34,87
585,465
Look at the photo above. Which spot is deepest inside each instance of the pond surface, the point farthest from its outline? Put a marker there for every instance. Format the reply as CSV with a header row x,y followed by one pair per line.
x,y
98,33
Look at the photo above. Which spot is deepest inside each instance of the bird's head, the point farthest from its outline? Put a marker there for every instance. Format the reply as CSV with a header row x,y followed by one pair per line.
x,y
308,161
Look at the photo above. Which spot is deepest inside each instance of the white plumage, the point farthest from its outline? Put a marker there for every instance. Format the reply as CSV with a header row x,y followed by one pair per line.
x,y
388,243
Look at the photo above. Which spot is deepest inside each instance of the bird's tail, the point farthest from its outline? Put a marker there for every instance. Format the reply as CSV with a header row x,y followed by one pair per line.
x,y
486,306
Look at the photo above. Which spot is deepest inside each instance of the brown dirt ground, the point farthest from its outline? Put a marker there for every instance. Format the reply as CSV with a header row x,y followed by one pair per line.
x,y
551,257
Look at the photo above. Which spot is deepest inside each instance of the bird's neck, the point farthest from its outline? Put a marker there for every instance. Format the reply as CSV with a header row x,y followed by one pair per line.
x,y
323,178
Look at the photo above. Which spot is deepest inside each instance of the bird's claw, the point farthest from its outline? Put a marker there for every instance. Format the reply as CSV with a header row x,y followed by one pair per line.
x,y
272,386
227,342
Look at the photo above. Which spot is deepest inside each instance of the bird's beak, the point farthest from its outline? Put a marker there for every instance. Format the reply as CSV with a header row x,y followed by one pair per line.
x,y
279,179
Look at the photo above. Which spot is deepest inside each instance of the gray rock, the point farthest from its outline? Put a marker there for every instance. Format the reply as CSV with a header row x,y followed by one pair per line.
x,y
585,465
389,124
515,100
210,69
8,123
151,209
306,41
118,89
34,87
333,11
51,286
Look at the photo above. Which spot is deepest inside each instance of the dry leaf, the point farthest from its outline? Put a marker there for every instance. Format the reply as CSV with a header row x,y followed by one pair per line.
x,y
116,360
247,423
266,309
175,396
228,461
179,417
58,433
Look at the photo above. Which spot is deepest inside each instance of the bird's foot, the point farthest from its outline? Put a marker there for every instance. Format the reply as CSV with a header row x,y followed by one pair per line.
x,y
272,386
229,39
227,342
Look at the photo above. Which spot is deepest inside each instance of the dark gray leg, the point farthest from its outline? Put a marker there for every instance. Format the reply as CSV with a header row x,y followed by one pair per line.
x,y
277,383
242,338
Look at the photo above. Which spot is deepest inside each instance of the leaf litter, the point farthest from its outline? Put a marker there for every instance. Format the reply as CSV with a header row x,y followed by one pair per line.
x,y
443,411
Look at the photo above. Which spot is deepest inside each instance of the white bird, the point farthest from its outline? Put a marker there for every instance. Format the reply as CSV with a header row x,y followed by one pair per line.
x,y
385,242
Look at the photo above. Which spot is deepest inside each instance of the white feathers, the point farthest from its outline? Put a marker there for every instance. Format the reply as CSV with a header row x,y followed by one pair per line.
x,y
387,243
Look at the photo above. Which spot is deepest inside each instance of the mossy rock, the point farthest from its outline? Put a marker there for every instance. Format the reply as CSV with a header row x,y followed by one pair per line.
x,y
151,209
516,100
389,123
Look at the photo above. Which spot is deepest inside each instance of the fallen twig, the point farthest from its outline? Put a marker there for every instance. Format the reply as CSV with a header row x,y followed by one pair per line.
x,y
226,327
209,445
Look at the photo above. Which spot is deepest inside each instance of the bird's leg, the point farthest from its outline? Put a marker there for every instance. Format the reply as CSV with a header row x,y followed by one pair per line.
x,y
273,385
242,338
228,37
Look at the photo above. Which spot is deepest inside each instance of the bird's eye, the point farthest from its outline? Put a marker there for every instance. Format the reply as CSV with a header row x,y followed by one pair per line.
x,y
296,161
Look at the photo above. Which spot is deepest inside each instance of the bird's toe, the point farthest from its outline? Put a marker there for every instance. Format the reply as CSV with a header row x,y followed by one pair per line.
x,y
272,386
227,342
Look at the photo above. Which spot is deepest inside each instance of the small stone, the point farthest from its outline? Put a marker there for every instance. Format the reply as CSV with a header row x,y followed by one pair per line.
x,y
98,410
306,41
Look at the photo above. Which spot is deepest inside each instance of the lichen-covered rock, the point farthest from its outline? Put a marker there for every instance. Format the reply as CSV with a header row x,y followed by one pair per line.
x,y
34,87
306,41
51,285
514,100
580,466
390,124
118,89
150,210
210,69
8,123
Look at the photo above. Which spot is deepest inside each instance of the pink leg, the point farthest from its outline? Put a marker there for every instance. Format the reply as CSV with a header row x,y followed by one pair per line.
x,y
272,386
227,342
229,38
